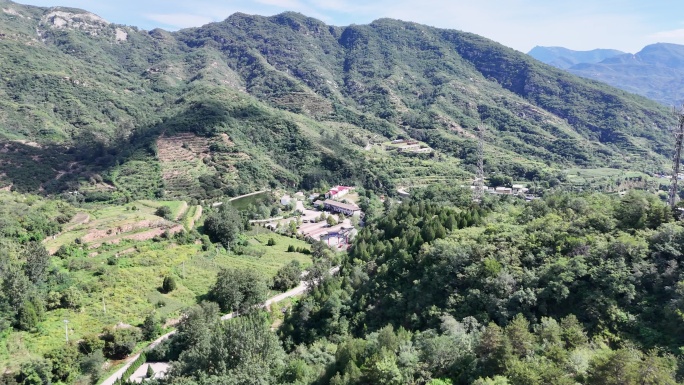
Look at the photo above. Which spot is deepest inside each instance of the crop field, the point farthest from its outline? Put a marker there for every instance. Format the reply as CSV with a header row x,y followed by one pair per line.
x,y
110,224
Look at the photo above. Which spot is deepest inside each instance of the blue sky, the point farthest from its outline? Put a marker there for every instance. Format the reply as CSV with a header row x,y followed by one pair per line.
x,y
627,25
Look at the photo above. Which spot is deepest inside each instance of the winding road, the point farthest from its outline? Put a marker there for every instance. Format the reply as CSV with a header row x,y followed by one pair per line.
x,y
301,288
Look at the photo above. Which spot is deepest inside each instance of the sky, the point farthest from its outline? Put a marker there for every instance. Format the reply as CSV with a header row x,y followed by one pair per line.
x,y
627,25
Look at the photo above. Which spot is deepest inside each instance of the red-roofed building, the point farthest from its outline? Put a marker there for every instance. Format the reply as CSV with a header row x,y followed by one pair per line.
x,y
338,192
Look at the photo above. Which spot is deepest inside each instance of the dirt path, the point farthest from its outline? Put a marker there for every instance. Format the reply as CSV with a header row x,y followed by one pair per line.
x,y
111,380
182,211
78,219
195,218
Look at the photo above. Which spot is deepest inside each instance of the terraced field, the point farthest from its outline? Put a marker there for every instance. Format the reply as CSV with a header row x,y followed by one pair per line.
x,y
181,162
112,224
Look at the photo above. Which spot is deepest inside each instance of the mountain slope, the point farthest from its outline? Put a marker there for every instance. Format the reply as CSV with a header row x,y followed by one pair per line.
x,y
565,58
656,72
288,100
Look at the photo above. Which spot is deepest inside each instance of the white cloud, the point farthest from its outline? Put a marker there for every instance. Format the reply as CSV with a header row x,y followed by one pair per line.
x,y
180,20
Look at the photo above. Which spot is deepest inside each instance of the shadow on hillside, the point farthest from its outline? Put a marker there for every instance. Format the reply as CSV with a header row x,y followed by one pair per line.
x,y
53,168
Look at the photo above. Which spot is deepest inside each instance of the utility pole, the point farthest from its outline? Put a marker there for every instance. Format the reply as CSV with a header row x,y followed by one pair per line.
x,y
66,330
479,178
676,161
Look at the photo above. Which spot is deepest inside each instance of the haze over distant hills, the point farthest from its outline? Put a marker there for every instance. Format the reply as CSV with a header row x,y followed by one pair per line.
x,y
565,58
254,101
656,72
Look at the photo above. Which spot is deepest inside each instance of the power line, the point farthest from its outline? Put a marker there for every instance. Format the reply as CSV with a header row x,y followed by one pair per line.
x,y
676,161
479,178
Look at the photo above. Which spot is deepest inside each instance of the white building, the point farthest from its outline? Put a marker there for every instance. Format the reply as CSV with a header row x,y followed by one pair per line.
x,y
285,200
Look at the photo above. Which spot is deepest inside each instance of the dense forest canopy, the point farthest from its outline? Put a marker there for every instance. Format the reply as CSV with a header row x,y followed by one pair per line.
x,y
572,288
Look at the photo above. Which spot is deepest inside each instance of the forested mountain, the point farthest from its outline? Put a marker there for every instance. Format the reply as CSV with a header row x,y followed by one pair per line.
x,y
565,58
656,72
108,123
117,112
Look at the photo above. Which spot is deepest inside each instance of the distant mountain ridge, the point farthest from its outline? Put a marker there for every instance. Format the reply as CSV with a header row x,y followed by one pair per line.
x,y
254,102
656,72
565,58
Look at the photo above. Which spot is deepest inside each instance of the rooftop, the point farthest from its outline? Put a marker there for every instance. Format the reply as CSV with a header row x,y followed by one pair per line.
x,y
341,205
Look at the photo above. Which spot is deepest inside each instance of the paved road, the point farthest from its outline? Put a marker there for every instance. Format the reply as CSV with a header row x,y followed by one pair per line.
x,y
129,361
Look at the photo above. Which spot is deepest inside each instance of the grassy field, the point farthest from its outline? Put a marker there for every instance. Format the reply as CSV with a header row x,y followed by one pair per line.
x,y
256,199
578,176
121,285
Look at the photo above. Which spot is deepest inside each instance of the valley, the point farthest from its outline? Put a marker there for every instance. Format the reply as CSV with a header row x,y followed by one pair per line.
x,y
281,200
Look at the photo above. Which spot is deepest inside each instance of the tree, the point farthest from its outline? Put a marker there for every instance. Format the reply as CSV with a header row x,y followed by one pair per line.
x,y
151,327
65,363
238,289
37,262
320,250
614,368
169,284
243,350
288,276
164,212
493,348
91,365
36,372
150,372
518,333
382,369
119,343
28,316
497,380
224,226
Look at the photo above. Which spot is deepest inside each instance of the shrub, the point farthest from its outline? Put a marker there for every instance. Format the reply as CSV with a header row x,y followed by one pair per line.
x,y
164,212
169,284
290,249
271,242
119,343
288,276
151,327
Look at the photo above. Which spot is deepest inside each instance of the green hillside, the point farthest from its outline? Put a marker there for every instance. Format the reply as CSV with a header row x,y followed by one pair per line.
x,y
252,102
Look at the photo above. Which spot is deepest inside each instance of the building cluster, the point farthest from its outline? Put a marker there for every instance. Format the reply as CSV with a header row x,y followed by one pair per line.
x,y
516,189
404,145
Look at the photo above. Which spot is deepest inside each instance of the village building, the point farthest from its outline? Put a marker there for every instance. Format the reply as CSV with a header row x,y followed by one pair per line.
x,y
285,200
503,190
519,189
338,192
339,207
